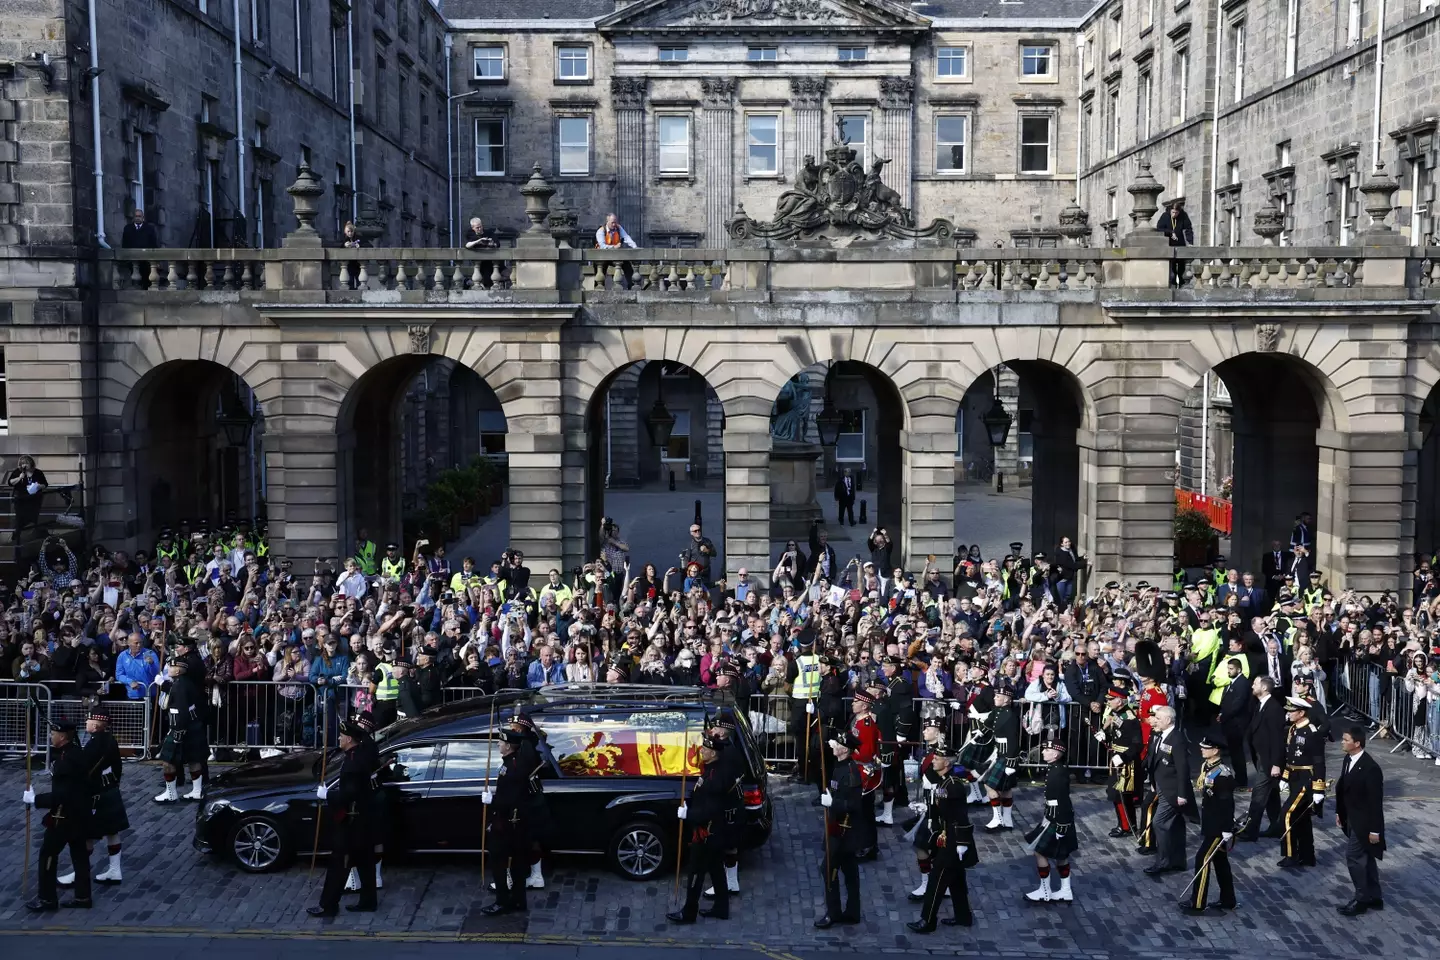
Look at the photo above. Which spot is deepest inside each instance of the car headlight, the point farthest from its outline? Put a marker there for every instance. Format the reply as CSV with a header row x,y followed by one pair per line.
x,y
214,807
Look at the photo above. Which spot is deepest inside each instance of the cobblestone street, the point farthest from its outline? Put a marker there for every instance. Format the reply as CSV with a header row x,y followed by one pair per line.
x,y
1118,911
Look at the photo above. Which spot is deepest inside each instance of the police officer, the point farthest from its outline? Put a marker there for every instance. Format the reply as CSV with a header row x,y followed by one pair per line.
x,y
68,822
804,675
351,809
386,708
705,811
1303,781
392,565
365,553
847,832
185,744
108,819
1215,792
509,840
951,843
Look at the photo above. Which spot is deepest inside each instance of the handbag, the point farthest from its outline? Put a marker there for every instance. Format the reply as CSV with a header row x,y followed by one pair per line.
x,y
252,733
1034,720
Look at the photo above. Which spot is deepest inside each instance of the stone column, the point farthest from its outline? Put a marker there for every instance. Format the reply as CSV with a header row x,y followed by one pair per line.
x,y
1007,458
897,133
627,95
928,449
808,101
543,480
747,492
717,142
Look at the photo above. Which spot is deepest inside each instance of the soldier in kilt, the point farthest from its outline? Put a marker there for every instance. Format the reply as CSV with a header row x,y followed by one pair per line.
x,y
186,744
1052,840
979,747
919,833
102,759
999,779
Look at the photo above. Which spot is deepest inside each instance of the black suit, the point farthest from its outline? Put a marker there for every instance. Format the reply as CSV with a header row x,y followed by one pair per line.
x,y
815,553
1167,760
1274,565
845,499
144,236
1266,733
1236,706
1359,806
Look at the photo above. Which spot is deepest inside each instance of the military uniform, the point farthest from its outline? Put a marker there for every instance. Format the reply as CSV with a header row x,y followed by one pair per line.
x,y
950,839
866,731
102,760
186,744
1215,792
510,828
901,698
1120,732
710,810
1004,726
67,822
532,752
847,832
352,810
1304,777
1053,838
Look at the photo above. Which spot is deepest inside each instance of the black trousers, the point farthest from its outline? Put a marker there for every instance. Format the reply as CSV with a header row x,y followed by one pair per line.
x,y
1168,829
1235,745
1264,802
1299,821
844,509
1364,873
946,875
844,864
351,846
1218,869
707,861
509,866
50,846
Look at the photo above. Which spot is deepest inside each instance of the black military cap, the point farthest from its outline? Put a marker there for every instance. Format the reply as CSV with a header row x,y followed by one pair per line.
x,y
511,735
1208,742
712,742
846,739
98,714
354,729
1017,546
620,670
945,751
64,726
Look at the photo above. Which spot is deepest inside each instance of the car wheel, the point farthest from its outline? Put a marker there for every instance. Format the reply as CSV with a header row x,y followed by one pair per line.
x,y
638,850
258,844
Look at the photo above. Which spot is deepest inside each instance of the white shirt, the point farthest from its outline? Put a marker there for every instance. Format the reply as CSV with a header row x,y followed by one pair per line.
x,y
352,585
1350,761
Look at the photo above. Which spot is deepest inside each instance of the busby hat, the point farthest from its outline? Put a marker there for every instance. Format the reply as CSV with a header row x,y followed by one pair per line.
x,y
1149,661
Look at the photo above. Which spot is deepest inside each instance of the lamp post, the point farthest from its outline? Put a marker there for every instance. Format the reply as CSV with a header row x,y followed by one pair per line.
x,y
997,422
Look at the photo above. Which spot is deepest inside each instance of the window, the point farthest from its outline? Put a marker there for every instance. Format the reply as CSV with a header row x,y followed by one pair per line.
x,y
424,114
377,112
492,432
572,63
259,21
762,54
489,63
674,54
951,135
1355,22
850,444
952,63
1283,154
4,394
1349,210
1112,205
763,143
341,206
1087,53
1232,172
1142,106
1292,36
302,38
677,450
1147,15
412,764
574,138
1112,120
403,113
960,433
489,147
1114,36
1177,180
1237,59
1182,83
1037,62
1087,128
854,128
1035,144
674,144
470,760
851,54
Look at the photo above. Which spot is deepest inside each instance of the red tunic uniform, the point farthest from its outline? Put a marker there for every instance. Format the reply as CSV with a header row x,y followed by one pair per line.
x,y
1150,698
867,731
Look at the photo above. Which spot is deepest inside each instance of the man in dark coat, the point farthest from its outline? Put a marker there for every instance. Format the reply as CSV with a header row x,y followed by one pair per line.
x,y
108,818
67,823
847,832
1216,785
1266,733
510,816
1175,224
845,498
139,234
1167,765
186,744
1236,704
705,811
351,807
1360,813
952,844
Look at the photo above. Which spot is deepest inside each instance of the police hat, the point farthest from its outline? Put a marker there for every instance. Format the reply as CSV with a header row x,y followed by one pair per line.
x,y
1314,574
1143,585
846,739
392,546
1112,585
1210,743
1204,582
1298,703
1039,555
354,729
1017,546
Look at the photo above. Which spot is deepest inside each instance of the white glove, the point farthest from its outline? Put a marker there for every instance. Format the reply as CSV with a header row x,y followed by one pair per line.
x,y
1117,760
960,851
321,792
1009,771
683,811
1100,735
955,704
487,797
1227,837
28,798
826,799
1052,803
1319,797
810,706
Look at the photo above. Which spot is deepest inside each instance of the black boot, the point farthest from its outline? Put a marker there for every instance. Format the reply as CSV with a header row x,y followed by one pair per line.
x,y
676,916
321,911
921,927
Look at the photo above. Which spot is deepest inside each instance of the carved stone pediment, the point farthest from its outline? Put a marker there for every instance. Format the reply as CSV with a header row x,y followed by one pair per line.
x,y
764,15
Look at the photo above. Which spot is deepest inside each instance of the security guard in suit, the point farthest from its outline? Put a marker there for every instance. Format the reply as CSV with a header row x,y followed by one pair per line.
x,y
67,824
1215,792
706,812
1304,782
351,808
952,844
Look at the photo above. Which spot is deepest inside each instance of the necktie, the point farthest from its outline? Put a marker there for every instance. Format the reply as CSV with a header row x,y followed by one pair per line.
x,y
1346,768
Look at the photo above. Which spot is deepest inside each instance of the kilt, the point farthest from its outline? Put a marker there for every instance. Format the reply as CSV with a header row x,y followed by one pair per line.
x,y
187,748
975,754
924,838
966,839
1045,839
109,817
997,779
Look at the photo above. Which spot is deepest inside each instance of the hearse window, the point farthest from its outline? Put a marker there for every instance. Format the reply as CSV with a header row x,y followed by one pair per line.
x,y
412,764
470,760
640,743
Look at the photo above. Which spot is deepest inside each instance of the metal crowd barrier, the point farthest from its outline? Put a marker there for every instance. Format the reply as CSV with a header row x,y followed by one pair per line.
x,y
1405,707
260,715
56,700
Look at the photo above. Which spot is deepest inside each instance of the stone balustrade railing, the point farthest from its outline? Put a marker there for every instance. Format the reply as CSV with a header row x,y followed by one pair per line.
x,y
746,273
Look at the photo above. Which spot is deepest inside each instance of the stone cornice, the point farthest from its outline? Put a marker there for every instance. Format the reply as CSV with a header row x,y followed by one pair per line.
x,y
339,314
1230,311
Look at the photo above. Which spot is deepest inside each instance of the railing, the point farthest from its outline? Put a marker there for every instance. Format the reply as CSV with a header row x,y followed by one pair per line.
x,y
261,715
1404,707
176,270
665,271
428,270
1019,270
1279,270
55,700
1218,511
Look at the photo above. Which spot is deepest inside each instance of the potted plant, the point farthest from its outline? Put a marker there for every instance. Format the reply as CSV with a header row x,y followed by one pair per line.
x,y
492,475
1192,538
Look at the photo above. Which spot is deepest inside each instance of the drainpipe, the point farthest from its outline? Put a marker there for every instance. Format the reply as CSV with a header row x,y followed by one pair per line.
x,y
1079,110
350,52
449,141
1215,121
95,130
1379,81
1205,435
239,113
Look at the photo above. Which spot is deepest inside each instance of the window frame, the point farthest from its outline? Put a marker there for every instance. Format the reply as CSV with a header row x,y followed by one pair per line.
x,y
762,49
475,62
862,433
1144,105
1181,68
662,49
504,122
778,145
1051,134
660,145
865,153
687,433
967,53
560,146
968,120
847,53
1236,44
562,49
1050,57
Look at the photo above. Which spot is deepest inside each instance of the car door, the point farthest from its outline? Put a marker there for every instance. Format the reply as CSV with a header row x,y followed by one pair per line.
x,y
407,774
464,769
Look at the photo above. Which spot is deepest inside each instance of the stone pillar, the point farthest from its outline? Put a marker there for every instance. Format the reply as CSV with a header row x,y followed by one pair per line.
x,y
928,449
309,516
897,112
574,463
627,95
808,101
717,141
747,492
535,446
1007,458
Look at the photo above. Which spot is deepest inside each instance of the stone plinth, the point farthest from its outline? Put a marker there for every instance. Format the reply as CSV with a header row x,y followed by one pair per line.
x,y
793,505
